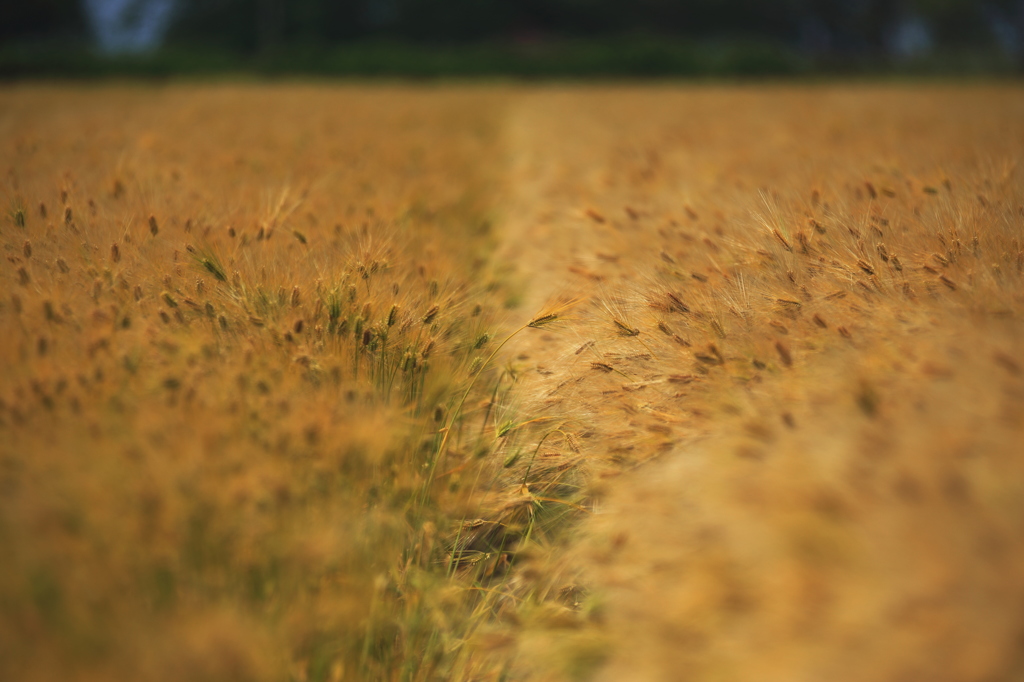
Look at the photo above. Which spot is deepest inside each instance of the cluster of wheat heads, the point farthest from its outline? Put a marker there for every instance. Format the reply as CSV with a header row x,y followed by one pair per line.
x,y
238,323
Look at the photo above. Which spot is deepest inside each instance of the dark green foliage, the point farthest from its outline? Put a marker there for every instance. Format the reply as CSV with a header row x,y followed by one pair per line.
x,y
558,39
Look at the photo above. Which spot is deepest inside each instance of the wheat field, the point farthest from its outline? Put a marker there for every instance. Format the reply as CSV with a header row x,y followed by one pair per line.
x,y
506,382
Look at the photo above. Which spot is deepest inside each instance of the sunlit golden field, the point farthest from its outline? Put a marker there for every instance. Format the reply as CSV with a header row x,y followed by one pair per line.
x,y
313,382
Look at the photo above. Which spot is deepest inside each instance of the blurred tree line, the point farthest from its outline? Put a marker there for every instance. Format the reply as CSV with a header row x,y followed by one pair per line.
x,y
816,24
257,26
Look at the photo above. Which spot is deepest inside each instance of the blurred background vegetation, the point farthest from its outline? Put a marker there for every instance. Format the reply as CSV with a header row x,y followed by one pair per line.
x,y
528,38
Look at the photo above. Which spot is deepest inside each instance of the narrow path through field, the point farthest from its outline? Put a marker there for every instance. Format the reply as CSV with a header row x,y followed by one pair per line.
x,y
562,245
585,211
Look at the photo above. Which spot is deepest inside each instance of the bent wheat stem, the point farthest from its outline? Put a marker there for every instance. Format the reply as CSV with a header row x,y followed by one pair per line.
x,y
542,319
